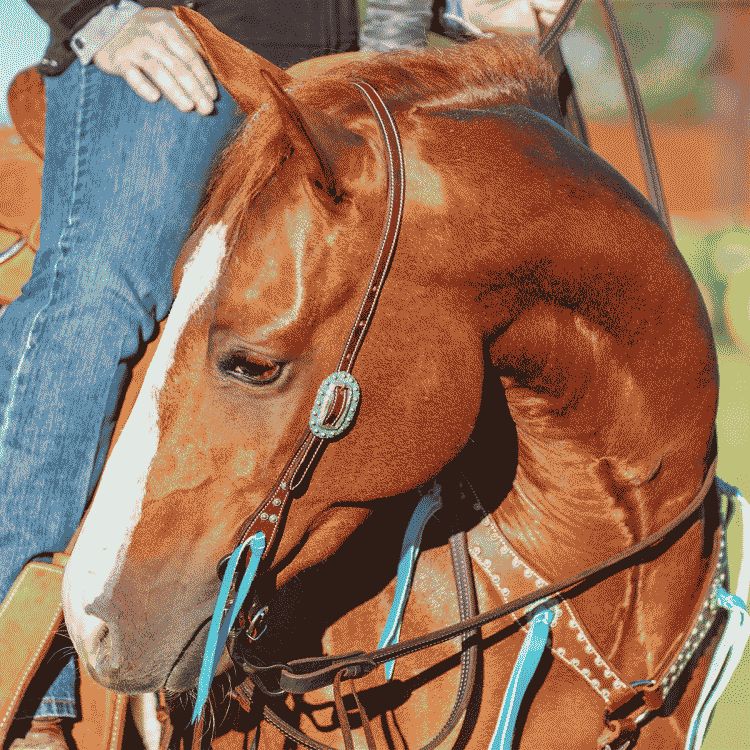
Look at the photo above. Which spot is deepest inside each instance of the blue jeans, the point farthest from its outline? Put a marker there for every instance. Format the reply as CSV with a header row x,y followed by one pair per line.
x,y
122,181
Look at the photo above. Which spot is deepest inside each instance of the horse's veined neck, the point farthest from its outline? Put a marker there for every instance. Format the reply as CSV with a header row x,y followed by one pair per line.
x,y
589,481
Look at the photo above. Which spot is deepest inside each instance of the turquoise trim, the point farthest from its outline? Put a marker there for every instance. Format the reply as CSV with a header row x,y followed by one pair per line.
x,y
722,666
729,601
426,508
218,630
526,665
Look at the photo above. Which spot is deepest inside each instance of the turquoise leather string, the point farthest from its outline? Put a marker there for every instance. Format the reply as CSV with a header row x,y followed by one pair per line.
x,y
218,630
526,665
426,508
726,658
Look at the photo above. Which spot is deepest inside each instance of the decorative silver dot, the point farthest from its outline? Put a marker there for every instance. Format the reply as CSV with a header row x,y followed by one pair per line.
x,y
264,516
273,518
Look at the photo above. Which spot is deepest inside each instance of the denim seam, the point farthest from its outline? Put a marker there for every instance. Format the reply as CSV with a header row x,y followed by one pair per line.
x,y
17,375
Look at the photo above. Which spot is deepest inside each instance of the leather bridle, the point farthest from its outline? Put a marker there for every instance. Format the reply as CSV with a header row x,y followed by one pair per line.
x,y
337,400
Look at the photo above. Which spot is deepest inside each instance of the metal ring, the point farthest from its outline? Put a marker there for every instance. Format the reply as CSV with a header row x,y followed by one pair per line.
x,y
257,620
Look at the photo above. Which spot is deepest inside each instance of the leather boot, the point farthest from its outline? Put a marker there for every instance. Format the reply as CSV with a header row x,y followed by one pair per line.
x,y
43,734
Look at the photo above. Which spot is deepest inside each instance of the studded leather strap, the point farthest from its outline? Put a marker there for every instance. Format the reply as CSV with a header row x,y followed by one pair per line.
x,y
335,406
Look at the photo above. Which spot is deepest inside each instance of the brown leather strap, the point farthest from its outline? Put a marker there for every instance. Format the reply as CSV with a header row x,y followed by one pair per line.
x,y
571,108
30,616
551,36
463,574
637,114
549,43
467,607
303,675
341,712
269,516
343,715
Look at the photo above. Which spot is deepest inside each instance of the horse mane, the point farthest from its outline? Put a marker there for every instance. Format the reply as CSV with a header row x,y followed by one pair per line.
x,y
500,70
484,73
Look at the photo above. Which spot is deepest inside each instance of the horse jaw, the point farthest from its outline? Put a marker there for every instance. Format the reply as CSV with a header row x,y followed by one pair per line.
x,y
96,560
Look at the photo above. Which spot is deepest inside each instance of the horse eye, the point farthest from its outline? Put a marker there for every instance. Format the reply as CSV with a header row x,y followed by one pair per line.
x,y
250,368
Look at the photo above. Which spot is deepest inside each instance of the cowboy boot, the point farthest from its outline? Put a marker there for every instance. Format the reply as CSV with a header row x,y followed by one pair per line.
x,y
44,734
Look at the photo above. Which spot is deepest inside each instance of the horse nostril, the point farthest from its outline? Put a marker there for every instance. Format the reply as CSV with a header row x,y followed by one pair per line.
x,y
96,639
104,636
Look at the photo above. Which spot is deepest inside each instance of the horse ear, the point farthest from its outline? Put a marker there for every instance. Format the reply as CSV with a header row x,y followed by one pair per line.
x,y
315,136
237,67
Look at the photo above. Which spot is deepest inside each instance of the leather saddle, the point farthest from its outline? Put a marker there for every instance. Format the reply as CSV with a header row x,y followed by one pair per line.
x,y
31,613
21,155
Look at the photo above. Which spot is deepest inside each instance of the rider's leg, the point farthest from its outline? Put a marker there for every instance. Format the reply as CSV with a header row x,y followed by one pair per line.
x,y
122,181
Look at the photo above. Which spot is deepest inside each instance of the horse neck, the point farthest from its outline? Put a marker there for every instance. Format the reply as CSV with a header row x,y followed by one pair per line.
x,y
614,436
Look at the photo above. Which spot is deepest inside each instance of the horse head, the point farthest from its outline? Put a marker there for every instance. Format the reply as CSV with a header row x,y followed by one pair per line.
x,y
531,287
266,291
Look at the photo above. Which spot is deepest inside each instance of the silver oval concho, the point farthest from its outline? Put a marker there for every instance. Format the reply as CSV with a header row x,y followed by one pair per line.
x,y
324,401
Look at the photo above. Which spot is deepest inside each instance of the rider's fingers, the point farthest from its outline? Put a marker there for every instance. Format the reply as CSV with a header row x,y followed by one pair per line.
x,y
547,10
166,83
140,84
189,82
179,46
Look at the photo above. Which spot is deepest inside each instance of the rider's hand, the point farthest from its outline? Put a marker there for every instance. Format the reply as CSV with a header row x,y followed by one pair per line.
x,y
156,55
546,10
516,16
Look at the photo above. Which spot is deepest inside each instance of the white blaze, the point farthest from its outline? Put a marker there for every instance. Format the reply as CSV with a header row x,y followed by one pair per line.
x,y
116,507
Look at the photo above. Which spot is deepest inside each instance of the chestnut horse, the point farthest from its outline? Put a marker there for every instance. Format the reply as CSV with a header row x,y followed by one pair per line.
x,y
538,329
